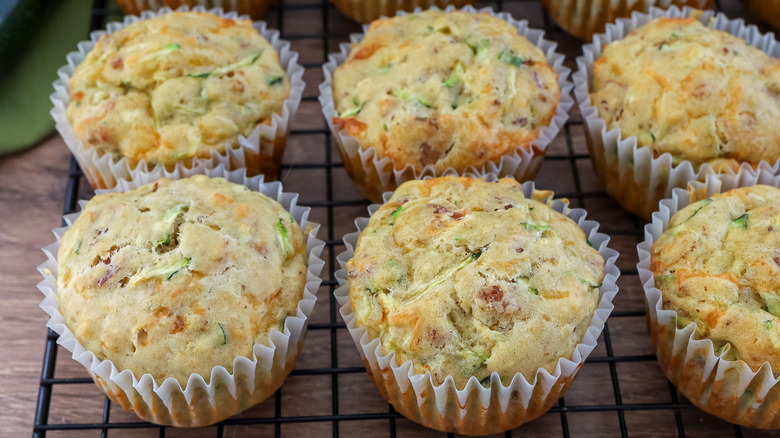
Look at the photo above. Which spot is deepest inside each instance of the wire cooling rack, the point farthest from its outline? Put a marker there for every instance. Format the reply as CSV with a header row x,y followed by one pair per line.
x,y
620,391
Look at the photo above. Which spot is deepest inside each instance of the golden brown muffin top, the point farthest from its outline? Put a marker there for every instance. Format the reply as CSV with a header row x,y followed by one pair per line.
x,y
177,277
700,94
445,89
176,86
718,265
465,277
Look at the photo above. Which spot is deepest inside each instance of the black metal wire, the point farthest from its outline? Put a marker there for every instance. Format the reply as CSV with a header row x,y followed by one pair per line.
x,y
333,243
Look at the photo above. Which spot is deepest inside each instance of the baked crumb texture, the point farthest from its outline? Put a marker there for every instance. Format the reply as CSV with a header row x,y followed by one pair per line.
x,y
176,86
177,277
700,94
444,89
465,278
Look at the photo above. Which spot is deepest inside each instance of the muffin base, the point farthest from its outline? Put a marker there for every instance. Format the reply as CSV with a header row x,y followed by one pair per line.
x,y
584,18
629,173
727,389
476,410
375,175
254,8
199,403
366,11
259,153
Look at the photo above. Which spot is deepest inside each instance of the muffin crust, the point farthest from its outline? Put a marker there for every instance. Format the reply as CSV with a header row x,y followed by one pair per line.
x,y
465,277
444,90
177,277
699,94
718,265
176,86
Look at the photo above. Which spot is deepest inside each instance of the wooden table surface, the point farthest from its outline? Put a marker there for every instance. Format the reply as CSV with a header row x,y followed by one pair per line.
x,y
32,187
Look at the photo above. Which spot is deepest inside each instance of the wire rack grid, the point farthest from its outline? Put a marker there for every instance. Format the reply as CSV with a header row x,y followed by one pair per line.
x,y
620,391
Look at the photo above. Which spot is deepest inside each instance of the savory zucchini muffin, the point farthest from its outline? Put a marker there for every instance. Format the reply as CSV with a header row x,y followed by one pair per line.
x,y
718,266
700,94
465,278
178,277
176,86
445,90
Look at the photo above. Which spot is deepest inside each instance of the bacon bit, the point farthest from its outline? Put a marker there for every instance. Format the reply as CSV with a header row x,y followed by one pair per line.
x,y
438,208
429,120
492,294
155,188
109,273
428,155
77,96
519,250
726,50
457,215
777,261
99,232
508,206
497,102
352,274
230,74
521,122
353,126
179,324
117,63
538,81
261,249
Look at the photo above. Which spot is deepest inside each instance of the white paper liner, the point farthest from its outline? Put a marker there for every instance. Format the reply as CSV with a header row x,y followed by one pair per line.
x,y
376,176
262,149
631,174
200,403
476,410
725,388
366,11
583,18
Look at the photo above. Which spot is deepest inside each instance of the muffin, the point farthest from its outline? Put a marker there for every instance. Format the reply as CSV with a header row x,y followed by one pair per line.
x,y
711,279
366,11
767,10
441,92
177,89
185,284
694,99
254,8
473,287
584,18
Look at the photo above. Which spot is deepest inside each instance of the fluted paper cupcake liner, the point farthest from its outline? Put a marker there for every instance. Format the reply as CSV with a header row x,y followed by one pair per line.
x,y
377,175
729,389
254,8
366,11
631,174
584,18
205,399
475,409
260,152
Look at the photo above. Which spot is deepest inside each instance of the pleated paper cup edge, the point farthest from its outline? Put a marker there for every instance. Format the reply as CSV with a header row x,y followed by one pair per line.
x,y
566,368
290,339
103,171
